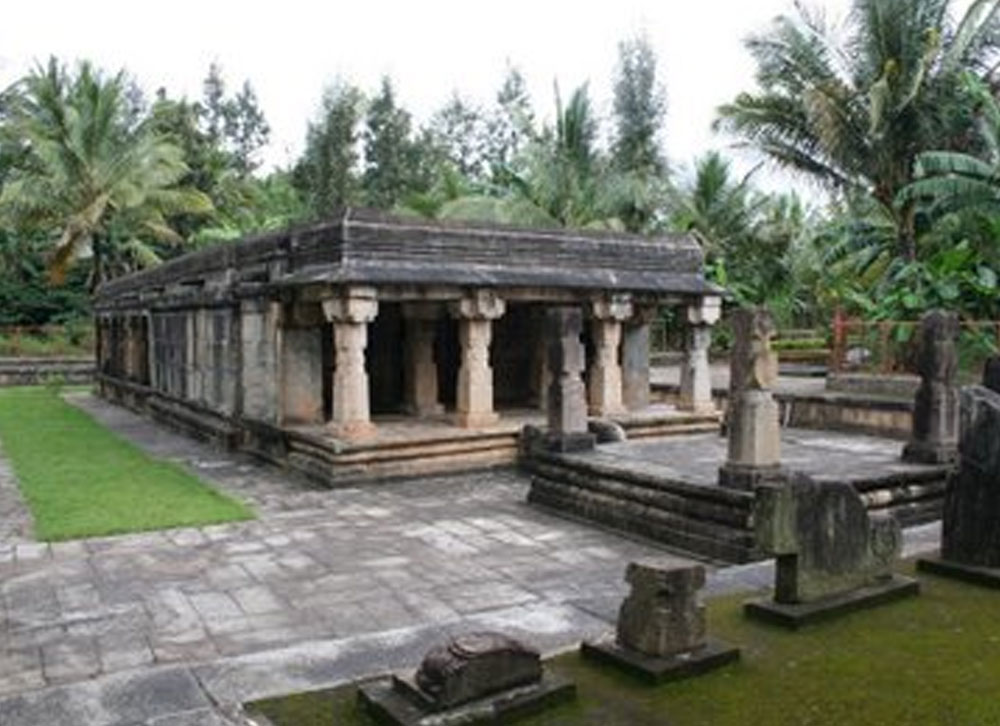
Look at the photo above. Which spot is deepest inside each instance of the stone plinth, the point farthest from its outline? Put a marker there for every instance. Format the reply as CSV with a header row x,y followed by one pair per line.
x,y
935,415
754,447
831,554
605,380
567,398
474,678
474,398
351,312
661,626
970,535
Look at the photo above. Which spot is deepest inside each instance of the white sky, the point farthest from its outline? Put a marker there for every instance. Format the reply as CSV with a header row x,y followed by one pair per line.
x,y
291,49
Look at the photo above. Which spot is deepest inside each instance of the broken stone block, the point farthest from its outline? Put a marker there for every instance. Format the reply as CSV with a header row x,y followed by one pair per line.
x,y
661,626
471,679
970,534
934,439
832,555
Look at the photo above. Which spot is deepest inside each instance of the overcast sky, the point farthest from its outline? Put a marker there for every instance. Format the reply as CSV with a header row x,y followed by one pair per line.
x,y
291,49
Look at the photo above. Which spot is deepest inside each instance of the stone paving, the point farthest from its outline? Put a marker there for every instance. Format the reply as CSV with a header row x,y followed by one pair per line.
x,y
176,628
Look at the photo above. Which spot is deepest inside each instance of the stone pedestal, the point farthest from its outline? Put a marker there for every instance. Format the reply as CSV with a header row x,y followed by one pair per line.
x,y
605,381
567,401
421,369
661,631
832,555
635,359
696,374
350,313
474,398
935,414
754,446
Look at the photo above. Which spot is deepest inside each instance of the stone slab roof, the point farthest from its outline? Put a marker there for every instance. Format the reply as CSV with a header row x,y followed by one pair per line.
x,y
361,246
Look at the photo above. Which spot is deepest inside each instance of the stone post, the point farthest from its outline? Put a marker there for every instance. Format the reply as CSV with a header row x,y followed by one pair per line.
x,y
302,365
567,398
351,312
421,368
474,398
260,339
754,452
605,392
635,358
934,439
696,374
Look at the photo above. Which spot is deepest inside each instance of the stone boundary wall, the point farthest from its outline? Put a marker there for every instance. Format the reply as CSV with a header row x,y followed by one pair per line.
x,y
38,371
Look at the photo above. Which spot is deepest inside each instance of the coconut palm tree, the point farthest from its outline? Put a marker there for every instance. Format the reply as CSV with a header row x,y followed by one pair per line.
x,y
855,114
92,174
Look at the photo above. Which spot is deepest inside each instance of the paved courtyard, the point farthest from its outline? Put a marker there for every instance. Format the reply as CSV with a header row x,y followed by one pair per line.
x,y
176,628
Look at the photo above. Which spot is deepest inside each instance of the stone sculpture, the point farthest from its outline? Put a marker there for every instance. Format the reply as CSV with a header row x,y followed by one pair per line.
x,y
832,555
661,630
472,678
934,439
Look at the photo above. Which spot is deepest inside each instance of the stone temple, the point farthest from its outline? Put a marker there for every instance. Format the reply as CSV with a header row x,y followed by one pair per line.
x,y
371,346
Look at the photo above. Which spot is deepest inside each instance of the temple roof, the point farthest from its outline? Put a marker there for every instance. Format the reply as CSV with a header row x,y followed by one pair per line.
x,y
366,247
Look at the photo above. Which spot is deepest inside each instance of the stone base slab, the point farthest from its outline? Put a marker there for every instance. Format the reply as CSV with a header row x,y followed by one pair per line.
x,y
796,615
919,452
976,574
476,420
392,701
748,478
714,654
567,443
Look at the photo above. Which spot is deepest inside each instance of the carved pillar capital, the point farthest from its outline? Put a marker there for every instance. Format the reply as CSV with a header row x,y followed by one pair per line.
x,y
356,305
617,308
706,311
482,304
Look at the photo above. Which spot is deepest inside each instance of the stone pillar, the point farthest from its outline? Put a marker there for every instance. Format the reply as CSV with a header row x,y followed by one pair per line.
x,y
260,338
754,453
302,366
934,439
567,396
696,374
421,368
605,391
350,313
635,359
474,398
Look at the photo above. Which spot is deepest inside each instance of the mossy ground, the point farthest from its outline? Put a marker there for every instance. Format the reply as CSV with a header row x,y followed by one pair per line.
x,y
80,480
930,660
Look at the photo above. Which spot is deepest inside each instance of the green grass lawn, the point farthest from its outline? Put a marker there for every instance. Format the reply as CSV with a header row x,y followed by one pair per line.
x,y
80,480
931,660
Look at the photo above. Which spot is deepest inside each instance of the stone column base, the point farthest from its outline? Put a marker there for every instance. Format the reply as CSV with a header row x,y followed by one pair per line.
x,y
748,478
569,443
923,452
426,411
476,420
353,430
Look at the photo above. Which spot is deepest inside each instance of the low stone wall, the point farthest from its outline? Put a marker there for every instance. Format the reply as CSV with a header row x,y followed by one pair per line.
x,y
880,386
891,417
37,371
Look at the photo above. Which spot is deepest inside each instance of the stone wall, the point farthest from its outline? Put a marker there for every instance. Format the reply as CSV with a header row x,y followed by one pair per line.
x,y
36,371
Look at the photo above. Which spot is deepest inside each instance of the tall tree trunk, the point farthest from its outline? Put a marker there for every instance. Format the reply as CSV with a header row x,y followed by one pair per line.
x,y
907,234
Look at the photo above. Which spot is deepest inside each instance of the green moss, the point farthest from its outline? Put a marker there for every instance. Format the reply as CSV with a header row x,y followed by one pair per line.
x,y
80,480
931,660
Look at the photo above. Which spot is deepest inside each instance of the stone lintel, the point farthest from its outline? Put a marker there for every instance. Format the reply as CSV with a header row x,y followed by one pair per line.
x,y
974,574
714,654
797,615
355,305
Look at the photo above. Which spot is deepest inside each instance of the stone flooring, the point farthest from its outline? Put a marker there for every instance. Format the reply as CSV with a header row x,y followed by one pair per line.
x,y
822,454
177,628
